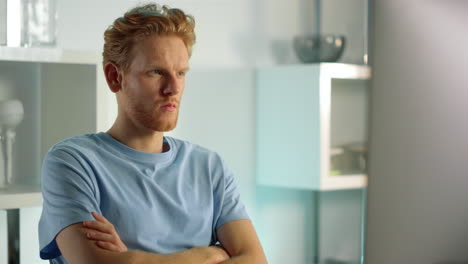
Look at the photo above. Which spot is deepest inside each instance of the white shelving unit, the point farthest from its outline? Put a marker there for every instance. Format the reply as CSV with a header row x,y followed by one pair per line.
x,y
312,126
64,94
344,98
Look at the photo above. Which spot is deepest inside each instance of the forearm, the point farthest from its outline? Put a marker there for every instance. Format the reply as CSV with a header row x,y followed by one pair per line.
x,y
78,249
240,241
245,259
198,255
202,255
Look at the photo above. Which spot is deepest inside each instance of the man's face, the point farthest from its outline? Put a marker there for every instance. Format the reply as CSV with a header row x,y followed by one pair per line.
x,y
153,84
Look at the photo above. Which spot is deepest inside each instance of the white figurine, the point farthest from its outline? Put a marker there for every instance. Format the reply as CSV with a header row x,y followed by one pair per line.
x,y
11,115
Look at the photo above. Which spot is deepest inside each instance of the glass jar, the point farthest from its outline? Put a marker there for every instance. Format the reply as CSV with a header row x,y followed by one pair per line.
x,y
28,23
38,23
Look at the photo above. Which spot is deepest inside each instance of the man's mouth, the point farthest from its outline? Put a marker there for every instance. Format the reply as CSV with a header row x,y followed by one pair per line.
x,y
169,107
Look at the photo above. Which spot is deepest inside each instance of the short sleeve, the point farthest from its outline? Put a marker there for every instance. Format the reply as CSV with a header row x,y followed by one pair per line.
x,y
69,196
228,205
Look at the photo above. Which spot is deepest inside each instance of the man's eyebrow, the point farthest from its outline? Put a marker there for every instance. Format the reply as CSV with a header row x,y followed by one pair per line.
x,y
158,67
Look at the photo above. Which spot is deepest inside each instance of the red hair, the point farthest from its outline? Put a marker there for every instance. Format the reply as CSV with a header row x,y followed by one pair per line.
x,y
143,21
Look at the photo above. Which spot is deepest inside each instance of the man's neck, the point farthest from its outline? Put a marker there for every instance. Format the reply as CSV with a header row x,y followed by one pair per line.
x,y
141,139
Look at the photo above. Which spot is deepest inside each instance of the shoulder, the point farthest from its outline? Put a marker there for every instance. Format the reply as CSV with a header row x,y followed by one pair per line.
x,y
70,160
196,152
76,146
188,147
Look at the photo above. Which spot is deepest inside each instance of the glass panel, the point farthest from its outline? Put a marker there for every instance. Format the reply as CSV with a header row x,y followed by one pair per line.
x,y
348,128
351,21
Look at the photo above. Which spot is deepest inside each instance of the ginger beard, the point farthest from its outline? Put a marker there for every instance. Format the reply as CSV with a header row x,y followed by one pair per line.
x,y
151,116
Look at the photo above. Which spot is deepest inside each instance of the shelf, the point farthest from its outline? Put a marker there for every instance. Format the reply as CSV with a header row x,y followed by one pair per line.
x,y
312,126
341,182
330,70
52,55
55,87
18,196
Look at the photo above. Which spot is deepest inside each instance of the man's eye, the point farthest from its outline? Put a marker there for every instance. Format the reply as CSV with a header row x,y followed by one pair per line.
x,y
156,72
182,73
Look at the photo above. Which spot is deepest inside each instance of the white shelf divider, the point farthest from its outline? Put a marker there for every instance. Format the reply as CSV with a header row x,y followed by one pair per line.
x,y
17,196
48,55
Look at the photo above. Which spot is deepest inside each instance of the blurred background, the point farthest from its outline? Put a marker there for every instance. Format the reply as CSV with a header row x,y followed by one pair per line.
x,y
414,208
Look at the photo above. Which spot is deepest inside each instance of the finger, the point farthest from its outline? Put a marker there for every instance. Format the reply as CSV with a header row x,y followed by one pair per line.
x,y
98,226
99,217
100,236
107,246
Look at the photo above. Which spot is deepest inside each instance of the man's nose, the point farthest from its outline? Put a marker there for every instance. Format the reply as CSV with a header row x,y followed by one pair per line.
x,y
172,86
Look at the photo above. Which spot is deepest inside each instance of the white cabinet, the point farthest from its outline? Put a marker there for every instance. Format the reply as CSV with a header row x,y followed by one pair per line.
x,y
312,122
64,94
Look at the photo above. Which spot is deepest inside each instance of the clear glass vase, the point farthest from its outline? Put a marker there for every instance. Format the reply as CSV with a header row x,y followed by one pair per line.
x,y
38,23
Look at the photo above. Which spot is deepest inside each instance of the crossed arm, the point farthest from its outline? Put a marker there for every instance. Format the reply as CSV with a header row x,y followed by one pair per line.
x,y
98,242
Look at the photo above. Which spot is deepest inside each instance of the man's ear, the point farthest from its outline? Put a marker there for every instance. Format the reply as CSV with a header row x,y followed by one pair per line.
x,y
113,78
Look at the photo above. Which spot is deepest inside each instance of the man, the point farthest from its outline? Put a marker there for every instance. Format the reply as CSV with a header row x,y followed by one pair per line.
x,y
131,195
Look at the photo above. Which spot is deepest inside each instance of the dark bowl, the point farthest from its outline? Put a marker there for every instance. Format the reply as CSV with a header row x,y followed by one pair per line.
x,y
319,48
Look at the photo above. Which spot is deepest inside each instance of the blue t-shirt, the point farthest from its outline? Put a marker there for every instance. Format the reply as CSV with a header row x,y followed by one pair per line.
x,y
161,203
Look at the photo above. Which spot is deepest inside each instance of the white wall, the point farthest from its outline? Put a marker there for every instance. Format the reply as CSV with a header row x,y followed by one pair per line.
x,y
230,33
418,209
225,28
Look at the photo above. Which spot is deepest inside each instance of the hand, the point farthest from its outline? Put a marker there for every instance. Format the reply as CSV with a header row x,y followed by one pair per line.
x,y
104,233
219,254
